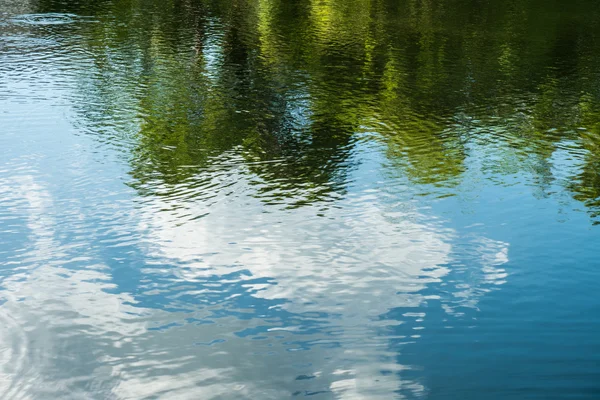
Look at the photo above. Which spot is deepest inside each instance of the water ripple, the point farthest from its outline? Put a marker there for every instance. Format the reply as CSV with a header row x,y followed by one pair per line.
x,y
44,19
264,199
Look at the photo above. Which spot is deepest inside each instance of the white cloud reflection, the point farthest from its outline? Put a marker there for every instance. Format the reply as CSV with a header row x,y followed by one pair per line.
x,y
360,259
73,333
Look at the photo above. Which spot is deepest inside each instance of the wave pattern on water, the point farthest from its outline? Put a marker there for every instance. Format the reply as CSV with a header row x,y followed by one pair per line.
x,y
271,199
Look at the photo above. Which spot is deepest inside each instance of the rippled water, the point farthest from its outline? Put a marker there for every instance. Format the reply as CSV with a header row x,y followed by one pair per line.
x,y
270,199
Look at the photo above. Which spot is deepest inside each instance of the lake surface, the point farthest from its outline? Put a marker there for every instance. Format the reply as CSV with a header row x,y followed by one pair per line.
x,y
271,199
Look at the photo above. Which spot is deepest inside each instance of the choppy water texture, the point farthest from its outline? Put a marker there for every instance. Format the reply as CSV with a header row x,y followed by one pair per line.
x,y
271,199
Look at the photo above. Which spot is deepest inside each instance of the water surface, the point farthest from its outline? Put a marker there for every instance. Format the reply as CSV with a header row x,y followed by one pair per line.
x,y
271,199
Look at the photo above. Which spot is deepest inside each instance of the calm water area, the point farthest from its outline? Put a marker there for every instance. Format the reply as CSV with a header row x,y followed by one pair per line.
x,y
287,199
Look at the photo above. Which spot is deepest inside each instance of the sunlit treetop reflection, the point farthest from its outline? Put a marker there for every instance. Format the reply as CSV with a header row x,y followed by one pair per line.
x,y
292,86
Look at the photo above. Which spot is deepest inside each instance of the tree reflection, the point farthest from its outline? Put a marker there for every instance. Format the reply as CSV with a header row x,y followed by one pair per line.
x,y
292,86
